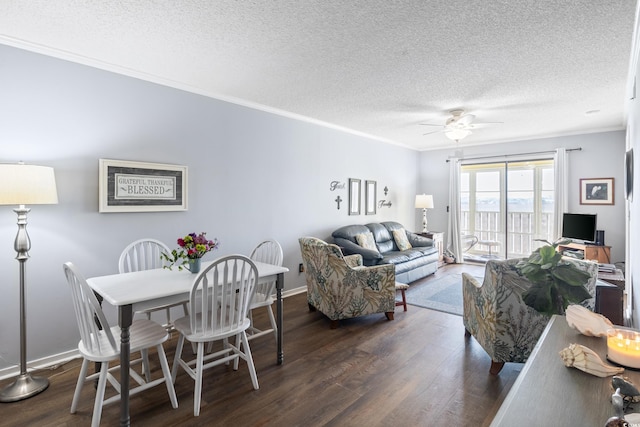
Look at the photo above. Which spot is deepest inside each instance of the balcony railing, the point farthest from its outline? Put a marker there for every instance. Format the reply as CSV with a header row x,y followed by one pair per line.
x,y
521,231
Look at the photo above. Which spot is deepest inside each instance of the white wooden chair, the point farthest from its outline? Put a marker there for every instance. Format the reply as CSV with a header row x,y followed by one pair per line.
x,y
98,344
144,254
269,252
218,303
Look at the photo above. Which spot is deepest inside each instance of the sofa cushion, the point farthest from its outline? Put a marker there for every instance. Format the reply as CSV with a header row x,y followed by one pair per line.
x,y
416,263
400,237
398,257
366,241
383,237
348,232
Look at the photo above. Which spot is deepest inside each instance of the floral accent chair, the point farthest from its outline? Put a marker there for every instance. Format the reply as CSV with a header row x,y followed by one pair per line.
x,y
494,313
340,287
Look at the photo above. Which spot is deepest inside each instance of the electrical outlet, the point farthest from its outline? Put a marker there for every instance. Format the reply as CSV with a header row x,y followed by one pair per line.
x,y
301,268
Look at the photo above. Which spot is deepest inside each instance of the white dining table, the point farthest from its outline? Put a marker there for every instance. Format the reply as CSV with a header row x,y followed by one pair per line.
x,y
140,290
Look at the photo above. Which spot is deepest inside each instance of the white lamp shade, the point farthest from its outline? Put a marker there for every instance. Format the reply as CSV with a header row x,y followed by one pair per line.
x,y
457,134
27,185
424,201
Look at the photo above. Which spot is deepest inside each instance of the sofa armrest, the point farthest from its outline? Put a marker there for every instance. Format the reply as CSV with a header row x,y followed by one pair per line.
x,y
354,260
419,241
379,278
349,248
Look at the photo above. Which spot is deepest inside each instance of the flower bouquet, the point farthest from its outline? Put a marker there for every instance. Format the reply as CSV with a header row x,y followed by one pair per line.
x,y
192,247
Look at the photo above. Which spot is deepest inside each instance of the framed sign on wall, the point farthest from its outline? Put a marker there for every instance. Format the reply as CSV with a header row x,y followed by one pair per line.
x,y
127,186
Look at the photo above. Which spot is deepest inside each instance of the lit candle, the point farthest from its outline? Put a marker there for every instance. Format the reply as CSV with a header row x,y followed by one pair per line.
x,y
623,347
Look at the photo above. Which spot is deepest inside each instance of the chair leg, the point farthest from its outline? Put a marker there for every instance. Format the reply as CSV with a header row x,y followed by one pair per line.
x,y
334,324
389,315
404,300
311,308
197,393
251,328
145,364
81,380
176,358
249,359
467,333
102,384
496,367
167,376
238,344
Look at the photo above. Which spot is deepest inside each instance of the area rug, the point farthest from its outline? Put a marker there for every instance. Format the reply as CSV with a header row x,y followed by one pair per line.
x,y
442,294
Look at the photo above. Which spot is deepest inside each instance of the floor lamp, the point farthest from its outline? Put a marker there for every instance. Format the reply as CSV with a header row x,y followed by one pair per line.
x,y
424,202
22,185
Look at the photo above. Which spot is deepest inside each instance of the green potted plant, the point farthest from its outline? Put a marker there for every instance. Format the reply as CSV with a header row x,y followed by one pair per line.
x,y
555,282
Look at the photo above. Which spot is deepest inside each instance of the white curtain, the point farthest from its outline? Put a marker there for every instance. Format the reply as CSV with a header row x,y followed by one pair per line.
x,y
560,191
454,244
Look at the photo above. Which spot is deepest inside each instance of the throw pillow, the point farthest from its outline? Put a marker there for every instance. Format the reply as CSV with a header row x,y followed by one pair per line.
x,y
366,241
400,236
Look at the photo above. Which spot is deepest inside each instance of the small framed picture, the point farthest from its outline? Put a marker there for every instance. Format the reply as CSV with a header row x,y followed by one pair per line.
x,y
596,191
370,197
354,196
126,186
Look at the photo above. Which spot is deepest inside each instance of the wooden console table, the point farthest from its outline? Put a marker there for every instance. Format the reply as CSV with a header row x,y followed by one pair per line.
x,y
547,393
601,254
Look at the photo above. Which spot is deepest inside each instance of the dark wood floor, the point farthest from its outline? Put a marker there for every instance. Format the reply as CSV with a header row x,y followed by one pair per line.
x,y
418,369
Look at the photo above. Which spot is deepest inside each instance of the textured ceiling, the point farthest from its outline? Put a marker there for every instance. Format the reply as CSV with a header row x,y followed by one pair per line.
x,y
376,67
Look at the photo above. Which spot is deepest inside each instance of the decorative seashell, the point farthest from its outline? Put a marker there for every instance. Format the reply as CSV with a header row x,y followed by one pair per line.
x,y
627,389
633,418
616,422
585,359
587,322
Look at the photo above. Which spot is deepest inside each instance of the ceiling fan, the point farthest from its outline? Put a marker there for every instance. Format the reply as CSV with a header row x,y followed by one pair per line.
x,y
458,126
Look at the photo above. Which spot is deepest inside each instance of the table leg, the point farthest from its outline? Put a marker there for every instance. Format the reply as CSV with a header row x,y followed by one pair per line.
x,y
97,365
279,315
125,319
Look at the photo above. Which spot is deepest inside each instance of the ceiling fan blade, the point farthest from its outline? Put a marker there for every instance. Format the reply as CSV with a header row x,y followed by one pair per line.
x,y
435,131
430,124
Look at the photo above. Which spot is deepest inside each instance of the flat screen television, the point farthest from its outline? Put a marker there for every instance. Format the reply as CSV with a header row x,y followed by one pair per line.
x,y
580,227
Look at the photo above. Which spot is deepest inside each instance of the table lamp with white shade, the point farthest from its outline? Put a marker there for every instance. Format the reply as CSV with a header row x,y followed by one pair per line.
x,y
424,202
22,185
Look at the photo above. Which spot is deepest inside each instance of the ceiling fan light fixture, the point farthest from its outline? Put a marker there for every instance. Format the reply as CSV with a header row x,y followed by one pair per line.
x,y
457,134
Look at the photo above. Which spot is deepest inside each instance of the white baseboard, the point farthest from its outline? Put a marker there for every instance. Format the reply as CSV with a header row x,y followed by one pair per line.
x,y
55,360
48,362
296,291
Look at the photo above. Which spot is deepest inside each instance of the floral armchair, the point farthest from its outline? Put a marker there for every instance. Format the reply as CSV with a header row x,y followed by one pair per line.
x,y
340,287
494,313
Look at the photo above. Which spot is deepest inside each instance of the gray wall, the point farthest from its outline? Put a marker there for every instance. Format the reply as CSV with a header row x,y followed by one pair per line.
x,y
602,156
252,175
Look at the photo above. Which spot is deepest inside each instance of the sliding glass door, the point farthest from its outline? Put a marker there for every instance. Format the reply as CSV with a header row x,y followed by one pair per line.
x,y
505,206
